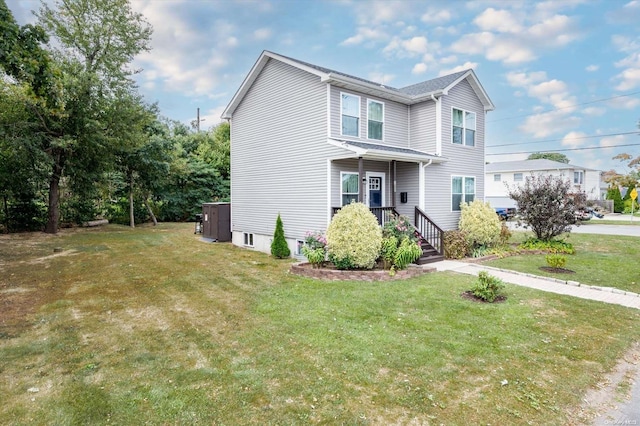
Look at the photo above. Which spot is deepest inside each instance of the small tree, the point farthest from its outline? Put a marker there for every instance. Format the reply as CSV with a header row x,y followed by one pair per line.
x,y
613,193
545,204
279,246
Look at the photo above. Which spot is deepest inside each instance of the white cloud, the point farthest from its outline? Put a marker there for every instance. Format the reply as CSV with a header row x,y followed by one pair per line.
x,y
611,141
436,16
501,21
495,48
262,34
365,34
407,48
465,66
381,78
523,79
594,111
419,68
592,68
375,12
573,139
549,123
624,103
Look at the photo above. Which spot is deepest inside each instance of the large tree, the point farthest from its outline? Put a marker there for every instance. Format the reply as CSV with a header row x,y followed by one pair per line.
x,y
553,156
97,40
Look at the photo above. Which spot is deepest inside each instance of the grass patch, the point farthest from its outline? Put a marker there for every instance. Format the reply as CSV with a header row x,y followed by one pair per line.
x,y
602,260
154,326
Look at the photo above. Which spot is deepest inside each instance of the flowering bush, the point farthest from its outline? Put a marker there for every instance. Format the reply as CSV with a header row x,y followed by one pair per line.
x,y
354,238
315,248
400,227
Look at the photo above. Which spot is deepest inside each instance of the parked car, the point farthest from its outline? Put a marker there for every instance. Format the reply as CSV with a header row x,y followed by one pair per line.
x,y
505,213
582,215
594,213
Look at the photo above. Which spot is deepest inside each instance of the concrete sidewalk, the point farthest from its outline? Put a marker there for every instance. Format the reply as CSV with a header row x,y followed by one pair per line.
x,y
570,288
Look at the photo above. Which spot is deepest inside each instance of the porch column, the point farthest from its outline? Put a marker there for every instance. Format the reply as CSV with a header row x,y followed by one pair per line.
x,y
361,180
393,183
421,186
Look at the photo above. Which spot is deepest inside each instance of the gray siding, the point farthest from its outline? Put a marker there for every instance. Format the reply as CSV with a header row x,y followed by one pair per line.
x,y
338,166
396,130
278,153
422,124
407,180
463,160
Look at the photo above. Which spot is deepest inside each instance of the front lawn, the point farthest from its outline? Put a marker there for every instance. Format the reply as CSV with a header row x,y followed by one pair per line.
x,y
602,260
153,326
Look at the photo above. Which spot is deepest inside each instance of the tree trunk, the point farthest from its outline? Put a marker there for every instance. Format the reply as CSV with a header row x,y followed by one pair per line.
x,y
132,220
54,194
6,214
153,216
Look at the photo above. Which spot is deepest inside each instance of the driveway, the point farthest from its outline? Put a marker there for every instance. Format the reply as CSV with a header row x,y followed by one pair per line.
x,y
624,228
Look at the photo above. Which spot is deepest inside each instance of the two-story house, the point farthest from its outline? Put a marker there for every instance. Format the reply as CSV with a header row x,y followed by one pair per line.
x,y
500,176
306,140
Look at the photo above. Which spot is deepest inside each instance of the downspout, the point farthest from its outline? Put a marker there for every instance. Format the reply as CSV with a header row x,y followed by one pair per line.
x,y
422,184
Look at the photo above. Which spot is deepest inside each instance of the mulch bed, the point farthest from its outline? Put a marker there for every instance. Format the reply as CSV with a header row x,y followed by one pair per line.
x,y
470,296
557,270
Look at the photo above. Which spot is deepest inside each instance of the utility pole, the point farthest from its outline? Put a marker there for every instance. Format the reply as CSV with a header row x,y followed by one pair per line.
x,y
198,121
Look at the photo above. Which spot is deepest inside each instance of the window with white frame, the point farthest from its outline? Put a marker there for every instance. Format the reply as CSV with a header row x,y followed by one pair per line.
x,y
463,189
248,239
578,177
375,119
464,127
497,177
349,189
517,177
350,107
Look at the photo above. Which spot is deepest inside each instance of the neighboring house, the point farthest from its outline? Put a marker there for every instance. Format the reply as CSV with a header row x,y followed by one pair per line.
x,y
306,140
514,173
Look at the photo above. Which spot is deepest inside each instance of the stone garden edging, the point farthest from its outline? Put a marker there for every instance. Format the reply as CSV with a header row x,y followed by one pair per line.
x,y
328,274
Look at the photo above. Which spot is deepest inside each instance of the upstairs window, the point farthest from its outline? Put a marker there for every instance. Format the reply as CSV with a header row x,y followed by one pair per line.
x,y
350,107
463,189
464,127
578,178
375,119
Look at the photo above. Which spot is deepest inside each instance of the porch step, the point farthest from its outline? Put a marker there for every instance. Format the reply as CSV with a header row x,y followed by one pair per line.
x,y
423,260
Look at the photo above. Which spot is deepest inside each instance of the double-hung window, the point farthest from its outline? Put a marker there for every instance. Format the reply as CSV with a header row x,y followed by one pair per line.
x,y
464,127
578,177
517,177
463,189
350,108
375,119
497,177
349,188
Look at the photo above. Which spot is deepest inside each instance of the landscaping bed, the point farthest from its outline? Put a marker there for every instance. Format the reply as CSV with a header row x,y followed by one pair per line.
x,y
330,273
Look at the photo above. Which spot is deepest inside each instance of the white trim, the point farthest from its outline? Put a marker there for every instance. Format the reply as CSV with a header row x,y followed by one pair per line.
x,y
464,127
248,239
421,186
383,155
329,110
438,102
329,192
359,114
475,189
383,187
409,126
383,119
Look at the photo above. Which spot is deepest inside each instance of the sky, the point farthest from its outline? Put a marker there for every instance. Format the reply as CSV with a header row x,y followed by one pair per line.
x,y
562,74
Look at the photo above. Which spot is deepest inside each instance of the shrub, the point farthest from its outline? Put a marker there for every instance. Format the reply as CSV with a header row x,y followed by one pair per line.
x,y
400,227
545,204
487,287
613,193
553,246
480,223
315,248
354,238
555,260
388,250
279,246
408,251
505,234
455,244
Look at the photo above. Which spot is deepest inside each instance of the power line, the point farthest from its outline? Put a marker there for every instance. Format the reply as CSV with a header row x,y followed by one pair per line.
x,y
568,149
636,132
565,107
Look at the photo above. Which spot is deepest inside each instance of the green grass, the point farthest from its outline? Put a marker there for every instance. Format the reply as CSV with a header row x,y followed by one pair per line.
x,y
602,260
153,326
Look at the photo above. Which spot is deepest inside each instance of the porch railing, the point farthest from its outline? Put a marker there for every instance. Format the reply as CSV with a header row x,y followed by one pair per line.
x,y
429,230
383,214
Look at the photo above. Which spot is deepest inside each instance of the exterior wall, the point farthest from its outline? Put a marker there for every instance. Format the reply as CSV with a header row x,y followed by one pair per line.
x,y
395,128
407,180
422,125
463,160
282,115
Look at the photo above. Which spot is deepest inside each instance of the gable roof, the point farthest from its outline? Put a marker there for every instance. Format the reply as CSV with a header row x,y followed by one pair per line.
x,y
407,95
540,164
